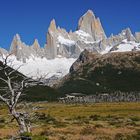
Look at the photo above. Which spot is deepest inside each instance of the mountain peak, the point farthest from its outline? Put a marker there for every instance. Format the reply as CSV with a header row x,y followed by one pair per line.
x,y
36,44
36,41
128,34
89,13
52,26
17,37
92,25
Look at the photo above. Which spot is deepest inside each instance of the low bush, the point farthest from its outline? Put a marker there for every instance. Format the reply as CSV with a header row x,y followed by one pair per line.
x,y
119,136
88,130
95,117
99,126
36,137
2,120
43,117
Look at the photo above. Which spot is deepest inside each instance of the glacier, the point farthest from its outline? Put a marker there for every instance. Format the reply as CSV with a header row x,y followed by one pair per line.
x,y
36,67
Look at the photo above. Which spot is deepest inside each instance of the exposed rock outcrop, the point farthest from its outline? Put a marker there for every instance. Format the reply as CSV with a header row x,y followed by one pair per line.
x,y
51,47
92,25
89,35
23,51
3,52
19,49
137,36
61,43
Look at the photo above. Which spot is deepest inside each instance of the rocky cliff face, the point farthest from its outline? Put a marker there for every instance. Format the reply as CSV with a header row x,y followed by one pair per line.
x,y
137,36
23,51
3,52
92,25
61,43
89,35
51,47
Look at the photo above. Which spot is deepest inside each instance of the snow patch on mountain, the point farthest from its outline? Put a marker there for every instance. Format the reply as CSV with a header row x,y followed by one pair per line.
x,y
123,47
42,67
127,46
64,41
82,33
84,37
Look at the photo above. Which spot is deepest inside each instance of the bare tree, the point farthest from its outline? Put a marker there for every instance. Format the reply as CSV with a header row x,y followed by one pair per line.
x,y
13,85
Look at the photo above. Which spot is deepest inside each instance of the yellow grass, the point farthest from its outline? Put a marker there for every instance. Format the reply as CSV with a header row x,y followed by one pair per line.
x,y
75,122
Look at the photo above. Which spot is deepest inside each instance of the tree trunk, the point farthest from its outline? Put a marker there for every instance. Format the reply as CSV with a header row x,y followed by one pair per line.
x,y
22,120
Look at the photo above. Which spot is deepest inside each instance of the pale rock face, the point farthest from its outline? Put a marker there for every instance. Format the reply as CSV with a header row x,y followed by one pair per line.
x,y
50,48
60,43
23,51
92,25
36,50
3,52
51,51
18,48
52,26
15,43
36,45
137,36
127,34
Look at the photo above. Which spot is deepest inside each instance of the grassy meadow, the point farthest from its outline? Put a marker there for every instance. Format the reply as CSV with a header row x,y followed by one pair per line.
x,y
100,121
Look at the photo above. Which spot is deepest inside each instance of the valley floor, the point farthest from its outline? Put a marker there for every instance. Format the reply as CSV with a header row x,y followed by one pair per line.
x,y
100,121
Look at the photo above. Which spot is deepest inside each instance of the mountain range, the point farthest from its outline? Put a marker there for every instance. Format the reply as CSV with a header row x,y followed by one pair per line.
x,y
63,48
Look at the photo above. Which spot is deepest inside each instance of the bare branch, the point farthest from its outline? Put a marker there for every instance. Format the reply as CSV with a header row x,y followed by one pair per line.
x,y
2,79
14,70
4,100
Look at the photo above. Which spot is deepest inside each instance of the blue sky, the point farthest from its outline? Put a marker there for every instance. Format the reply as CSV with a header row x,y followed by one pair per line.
x,y
31,18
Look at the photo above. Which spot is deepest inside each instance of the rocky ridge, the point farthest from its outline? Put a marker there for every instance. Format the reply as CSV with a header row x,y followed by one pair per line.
x,y
61,43
89,35
65,47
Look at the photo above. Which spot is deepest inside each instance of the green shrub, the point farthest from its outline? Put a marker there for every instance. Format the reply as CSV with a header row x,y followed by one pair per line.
x,y
26,134
103,138
135,118
36,137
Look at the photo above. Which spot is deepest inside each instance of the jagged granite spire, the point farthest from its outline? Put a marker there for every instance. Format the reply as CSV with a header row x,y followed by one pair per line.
x,y
92,25
16,44
51,46
128,34
60,43
52,26
36,44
